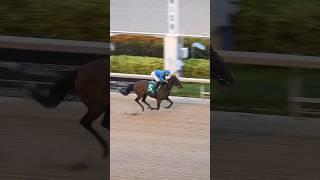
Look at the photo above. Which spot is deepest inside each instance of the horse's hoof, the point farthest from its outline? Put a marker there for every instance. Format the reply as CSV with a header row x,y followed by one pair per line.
x,y
167,107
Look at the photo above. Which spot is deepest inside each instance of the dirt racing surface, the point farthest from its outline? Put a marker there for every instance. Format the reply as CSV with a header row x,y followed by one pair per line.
x,y
265,147
168,144
47,144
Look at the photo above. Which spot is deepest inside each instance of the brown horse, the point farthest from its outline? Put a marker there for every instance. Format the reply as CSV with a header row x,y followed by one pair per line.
x,y
141,89
89,82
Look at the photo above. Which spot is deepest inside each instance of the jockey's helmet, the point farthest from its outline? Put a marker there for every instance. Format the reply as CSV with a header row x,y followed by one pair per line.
x,y
167,72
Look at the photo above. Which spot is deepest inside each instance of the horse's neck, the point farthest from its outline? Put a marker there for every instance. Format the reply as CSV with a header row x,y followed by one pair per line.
x,y
170,85
167,87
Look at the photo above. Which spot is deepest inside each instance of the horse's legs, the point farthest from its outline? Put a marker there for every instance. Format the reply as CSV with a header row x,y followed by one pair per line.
x,y
158,105
170,103
86,122
137,100
144,100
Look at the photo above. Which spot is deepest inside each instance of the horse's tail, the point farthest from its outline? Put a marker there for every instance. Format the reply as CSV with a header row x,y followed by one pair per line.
x,y
126,91
57,92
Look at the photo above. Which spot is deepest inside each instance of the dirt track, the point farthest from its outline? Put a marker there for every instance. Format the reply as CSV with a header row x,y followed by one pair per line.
x,y
42,144
265,147
168,144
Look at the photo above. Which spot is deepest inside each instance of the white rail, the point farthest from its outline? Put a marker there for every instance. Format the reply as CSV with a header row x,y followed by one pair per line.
x,y
271,59
294,62
158,34
202,91
54,45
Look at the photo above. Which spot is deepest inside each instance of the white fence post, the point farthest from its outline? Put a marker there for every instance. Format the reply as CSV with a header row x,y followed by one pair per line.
x,y
172,41
294,90
202,91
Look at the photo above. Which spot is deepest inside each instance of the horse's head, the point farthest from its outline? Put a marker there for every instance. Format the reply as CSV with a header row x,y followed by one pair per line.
x,y
175,81
220,71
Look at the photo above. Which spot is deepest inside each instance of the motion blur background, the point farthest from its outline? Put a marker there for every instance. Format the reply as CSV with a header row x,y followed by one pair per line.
x,y
51,19
267,125
40,41
288,27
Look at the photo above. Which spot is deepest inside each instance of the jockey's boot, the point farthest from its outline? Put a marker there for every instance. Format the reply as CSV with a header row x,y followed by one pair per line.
x,y
157,87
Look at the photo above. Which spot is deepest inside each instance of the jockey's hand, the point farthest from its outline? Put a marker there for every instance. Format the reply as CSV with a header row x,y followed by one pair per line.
x,y
165,81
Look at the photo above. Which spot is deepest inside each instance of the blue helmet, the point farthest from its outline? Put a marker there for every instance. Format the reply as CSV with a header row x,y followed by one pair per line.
x,y
167,72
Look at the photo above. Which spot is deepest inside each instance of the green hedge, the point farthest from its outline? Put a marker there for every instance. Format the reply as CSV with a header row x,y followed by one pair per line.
x,y
68,19
285,26
195,68
141,45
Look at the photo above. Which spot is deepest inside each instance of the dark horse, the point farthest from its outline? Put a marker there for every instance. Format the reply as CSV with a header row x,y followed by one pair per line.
x,y
219,70
141,89
89,82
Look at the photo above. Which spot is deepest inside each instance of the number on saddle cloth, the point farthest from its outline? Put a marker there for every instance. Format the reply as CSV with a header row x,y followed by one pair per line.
x,y
152,87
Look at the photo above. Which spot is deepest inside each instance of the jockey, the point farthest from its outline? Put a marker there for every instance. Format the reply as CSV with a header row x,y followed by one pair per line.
x,y
160,76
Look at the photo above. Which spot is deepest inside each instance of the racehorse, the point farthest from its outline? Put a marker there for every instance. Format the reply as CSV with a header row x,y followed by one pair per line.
x,y
219,70
89,82
141,89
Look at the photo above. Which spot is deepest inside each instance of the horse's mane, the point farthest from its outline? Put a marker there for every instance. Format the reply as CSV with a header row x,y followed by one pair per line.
x,y
173,76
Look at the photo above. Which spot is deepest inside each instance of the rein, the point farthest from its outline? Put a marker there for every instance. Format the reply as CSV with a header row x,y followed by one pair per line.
x,y
170,84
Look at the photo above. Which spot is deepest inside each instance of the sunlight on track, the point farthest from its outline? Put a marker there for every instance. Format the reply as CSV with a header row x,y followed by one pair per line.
x,y
167,144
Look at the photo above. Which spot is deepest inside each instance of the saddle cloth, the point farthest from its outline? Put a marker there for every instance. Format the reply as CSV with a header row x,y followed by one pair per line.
x,y
151,87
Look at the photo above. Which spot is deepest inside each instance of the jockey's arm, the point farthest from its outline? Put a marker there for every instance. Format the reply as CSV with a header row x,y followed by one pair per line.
x,y
161,79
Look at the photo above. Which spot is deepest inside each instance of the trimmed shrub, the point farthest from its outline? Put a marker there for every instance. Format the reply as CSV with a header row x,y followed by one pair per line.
x,y
195,68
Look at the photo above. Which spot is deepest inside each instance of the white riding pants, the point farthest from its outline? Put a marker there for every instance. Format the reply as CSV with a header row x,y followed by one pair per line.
x,y
155,77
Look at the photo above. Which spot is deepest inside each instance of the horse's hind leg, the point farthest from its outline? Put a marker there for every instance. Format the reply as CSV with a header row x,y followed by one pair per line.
x,y
144,100
86,122
137,100
170,103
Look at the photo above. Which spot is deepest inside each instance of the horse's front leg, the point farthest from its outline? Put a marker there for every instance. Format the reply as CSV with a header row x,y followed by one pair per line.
x,y
158,105
170,103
